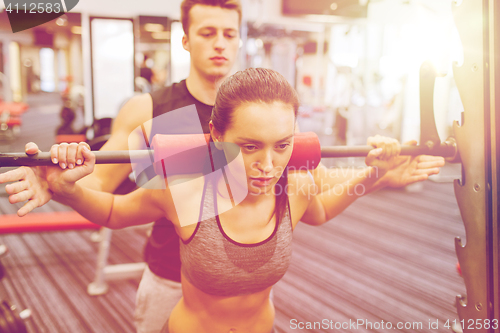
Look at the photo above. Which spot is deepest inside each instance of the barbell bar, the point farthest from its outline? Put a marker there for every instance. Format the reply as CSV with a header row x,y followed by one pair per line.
x,y
306,151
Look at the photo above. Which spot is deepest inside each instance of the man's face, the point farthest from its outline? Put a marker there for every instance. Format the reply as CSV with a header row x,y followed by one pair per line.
x,y
213,40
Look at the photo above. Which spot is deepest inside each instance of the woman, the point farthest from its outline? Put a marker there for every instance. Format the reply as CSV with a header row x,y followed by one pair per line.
x,y
232,258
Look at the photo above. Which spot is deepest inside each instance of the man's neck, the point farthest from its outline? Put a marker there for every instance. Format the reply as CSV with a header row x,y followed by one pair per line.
x,y
202,88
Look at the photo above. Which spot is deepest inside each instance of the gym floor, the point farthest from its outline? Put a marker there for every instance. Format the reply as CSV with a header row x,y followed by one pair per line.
x,y
389,257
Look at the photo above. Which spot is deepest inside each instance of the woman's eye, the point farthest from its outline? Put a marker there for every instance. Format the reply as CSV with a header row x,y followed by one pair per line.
x,y
283,146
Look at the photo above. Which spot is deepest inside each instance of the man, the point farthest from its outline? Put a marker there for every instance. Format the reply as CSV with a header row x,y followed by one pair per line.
x,y
212,37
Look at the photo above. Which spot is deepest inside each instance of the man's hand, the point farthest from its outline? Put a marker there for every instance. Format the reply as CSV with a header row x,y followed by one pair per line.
x,y
29,184
412,169
38,184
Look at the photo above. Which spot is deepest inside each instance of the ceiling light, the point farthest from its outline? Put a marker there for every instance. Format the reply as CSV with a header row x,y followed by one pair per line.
x,y
153,27
62,21
76,30
161,35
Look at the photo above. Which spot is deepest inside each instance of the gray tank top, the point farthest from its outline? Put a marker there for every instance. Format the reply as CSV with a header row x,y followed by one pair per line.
x,y
218,265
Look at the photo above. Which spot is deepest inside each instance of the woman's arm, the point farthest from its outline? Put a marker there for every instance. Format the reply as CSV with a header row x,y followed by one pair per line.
x,y
117,211
75,162
327,204
407,170
324,206
112,211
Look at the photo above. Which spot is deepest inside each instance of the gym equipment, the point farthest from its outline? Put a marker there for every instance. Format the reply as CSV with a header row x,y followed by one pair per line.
x,y
186,149
10,118
10,112
40,222
11,319
478,82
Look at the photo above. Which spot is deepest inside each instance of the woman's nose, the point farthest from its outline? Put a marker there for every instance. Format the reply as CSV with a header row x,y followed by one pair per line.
x,y
266,163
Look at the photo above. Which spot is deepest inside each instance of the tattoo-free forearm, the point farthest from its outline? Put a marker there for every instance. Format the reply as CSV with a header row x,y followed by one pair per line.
x,y
339,197
328,178
95,206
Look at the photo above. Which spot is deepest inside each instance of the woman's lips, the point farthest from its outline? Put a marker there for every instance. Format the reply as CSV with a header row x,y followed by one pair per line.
x,y
260,182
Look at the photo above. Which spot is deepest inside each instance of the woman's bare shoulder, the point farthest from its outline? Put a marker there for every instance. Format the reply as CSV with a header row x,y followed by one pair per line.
x,y
186,192
301,189
300,180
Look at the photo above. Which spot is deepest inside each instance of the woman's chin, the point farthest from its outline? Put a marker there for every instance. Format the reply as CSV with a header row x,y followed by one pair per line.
x,y
260,189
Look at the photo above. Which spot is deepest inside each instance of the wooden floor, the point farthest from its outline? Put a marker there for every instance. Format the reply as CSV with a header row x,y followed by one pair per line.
x,y
388,258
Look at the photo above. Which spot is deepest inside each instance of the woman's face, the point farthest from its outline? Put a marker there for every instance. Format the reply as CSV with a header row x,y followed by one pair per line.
x,y
264,133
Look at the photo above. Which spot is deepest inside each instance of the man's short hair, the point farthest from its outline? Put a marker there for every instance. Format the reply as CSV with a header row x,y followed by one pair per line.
x,y
186,6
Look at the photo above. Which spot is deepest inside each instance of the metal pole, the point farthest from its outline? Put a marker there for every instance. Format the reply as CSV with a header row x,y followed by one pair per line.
x,y
446,149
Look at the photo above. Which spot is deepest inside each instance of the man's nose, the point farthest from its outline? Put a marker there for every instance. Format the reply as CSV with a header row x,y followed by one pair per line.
x,y
220,41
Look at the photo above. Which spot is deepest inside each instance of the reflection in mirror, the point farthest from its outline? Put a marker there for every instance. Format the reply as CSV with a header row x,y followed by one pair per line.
x,y
152,57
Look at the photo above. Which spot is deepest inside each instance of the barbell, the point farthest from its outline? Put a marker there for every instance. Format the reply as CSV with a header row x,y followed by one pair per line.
x,y
186,153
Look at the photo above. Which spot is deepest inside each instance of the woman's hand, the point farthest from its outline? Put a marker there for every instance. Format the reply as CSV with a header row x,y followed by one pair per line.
x,y
75,162
384,156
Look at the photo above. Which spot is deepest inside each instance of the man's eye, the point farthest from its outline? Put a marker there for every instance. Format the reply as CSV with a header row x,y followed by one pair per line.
x,y
250,148
283,146
230,36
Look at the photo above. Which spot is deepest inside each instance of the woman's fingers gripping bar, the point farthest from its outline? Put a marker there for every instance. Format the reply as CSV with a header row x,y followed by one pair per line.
x,y
68,155
390,147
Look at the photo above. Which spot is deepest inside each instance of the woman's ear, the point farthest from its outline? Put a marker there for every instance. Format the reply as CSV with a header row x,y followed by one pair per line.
x,y
216,136
213,131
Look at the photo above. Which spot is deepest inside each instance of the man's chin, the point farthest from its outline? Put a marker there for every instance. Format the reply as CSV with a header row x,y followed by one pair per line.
x,y
218,72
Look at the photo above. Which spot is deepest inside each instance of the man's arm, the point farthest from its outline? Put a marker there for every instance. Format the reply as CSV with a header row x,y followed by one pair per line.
x,y
107,177
408,170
